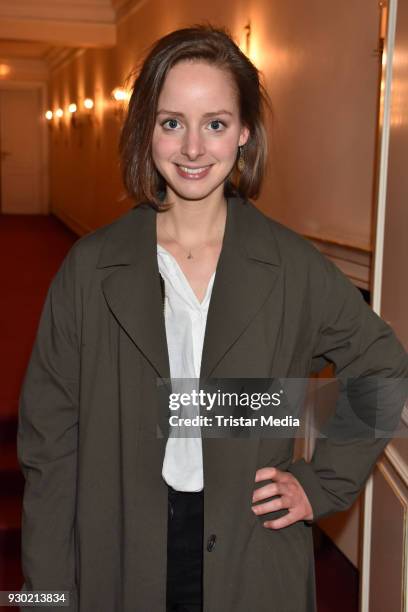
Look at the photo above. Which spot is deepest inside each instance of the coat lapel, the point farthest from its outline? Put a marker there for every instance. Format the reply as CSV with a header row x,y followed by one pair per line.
x,y
247,270
132,290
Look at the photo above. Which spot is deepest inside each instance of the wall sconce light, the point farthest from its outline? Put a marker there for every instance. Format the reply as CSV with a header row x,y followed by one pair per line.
x,y
49,115
250,44
72,109
88,104
120,94
58,114
4,70
247,29
87,110
121,98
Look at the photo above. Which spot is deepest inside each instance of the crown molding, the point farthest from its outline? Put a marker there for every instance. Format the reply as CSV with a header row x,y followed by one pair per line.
x,y
65,33
82,11
124,8
25,69
67,26
93,11
71,23
59,56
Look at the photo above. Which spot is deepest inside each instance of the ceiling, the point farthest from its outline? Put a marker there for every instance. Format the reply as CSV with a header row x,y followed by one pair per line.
x,y
23,49
45,31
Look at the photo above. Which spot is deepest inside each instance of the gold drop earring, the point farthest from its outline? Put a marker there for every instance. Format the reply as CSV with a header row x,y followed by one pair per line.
x,y
241,159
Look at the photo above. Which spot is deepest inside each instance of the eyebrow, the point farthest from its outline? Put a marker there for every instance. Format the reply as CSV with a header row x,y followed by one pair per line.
x,y
211,114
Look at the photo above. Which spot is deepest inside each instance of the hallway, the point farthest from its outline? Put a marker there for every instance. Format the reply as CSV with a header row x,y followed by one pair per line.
x,y
31,250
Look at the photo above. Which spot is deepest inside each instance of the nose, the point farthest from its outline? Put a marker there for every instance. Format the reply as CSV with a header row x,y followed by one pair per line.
x,y
193,144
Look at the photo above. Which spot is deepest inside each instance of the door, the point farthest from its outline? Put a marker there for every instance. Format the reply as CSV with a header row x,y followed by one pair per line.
x,y
22,151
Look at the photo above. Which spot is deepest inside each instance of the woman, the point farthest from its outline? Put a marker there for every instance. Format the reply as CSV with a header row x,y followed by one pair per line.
x,y
115,511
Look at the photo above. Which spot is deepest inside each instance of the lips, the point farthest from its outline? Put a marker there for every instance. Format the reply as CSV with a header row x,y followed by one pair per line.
x,y
192,173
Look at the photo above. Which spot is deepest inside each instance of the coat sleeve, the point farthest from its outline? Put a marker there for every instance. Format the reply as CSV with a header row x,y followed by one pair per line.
x,y
47,442
372,369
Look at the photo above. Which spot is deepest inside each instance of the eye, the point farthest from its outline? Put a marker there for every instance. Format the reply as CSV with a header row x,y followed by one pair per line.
x,y
172,124
217,122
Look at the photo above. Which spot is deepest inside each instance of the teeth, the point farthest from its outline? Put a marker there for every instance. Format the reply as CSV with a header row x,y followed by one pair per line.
x,y
192,170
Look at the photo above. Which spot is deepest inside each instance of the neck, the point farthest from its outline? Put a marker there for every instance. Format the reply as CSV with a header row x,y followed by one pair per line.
x,y
193,222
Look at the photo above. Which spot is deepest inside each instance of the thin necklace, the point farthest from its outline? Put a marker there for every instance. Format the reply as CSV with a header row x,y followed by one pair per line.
x,y
190,255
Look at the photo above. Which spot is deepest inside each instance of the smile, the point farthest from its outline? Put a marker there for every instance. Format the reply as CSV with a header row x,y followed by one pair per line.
x,y
193,173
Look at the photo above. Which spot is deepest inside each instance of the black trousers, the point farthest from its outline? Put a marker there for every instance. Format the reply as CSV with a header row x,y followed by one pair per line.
x,y
185,551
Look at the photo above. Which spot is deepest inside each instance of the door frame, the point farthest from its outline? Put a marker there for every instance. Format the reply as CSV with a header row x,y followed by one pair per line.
x,y
40,86
377,270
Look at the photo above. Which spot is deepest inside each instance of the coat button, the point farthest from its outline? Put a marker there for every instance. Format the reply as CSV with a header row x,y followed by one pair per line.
x,y
211,542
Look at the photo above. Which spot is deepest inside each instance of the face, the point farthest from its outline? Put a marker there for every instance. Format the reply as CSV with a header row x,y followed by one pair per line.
x,y
197,130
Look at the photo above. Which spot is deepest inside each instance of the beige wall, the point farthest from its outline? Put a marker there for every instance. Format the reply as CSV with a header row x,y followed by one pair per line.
x,y
322,77
395,281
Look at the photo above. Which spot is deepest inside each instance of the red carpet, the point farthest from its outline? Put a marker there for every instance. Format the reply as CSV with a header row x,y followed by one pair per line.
x,y
31,251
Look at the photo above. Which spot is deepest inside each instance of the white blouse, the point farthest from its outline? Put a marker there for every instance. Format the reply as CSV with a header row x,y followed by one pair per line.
x,y
185,319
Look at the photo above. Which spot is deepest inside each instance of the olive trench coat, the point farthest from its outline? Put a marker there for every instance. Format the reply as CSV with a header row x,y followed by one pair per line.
x,y
95,504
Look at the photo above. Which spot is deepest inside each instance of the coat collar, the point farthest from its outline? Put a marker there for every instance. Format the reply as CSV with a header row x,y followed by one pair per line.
x,y
133,235
247,270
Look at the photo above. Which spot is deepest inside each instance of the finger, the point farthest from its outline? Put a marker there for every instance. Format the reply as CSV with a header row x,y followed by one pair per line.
x,y
267,473
271,506
267,491
284,521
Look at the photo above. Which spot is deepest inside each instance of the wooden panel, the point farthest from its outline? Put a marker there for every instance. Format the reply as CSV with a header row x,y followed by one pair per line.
x,y
343,528
354,263
388,541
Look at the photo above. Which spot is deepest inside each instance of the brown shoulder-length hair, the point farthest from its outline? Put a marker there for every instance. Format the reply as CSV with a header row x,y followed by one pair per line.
x,y
216,46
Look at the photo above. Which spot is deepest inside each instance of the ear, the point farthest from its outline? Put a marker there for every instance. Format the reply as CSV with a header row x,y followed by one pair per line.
x,y
244,135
